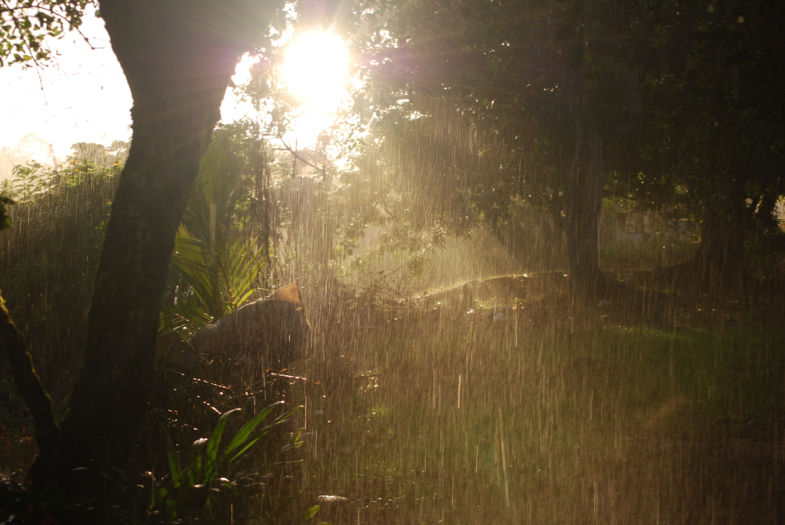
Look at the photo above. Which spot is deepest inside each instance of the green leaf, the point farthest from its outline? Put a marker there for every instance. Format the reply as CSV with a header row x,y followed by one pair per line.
x,y
192,259
247,446
312,511
266,430
174,464
213,444
246,430
240,274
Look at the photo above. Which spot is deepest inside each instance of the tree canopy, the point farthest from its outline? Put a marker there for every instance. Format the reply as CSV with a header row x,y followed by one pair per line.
x,y
492,105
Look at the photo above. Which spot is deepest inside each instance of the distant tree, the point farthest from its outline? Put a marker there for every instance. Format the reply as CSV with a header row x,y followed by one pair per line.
x,y
100,155
715,124
510,102
491,106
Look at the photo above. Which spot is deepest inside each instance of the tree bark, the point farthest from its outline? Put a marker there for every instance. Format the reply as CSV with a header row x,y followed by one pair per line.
x,y
178,57
584,198
721,257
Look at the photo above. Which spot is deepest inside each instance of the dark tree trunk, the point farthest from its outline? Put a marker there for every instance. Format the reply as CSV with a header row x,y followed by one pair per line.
x,y
584,199
178,57
721,257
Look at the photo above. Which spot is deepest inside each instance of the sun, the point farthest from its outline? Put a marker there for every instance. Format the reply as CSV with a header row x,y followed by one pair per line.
x,y
315,69
313,77
314,73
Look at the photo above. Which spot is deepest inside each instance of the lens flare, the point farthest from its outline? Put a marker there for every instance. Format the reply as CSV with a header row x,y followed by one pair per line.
x,y
314,73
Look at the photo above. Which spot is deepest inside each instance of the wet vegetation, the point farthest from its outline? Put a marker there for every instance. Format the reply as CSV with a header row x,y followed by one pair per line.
x,y
534,275
552,422
482,398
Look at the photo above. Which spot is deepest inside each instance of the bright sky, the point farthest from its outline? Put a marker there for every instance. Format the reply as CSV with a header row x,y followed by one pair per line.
x,y
82,95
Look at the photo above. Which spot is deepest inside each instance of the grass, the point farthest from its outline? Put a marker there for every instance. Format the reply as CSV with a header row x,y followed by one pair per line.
x,y
475,423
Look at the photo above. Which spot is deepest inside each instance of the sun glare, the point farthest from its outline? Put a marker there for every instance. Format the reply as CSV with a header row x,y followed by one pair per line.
x,y
314,73
315,69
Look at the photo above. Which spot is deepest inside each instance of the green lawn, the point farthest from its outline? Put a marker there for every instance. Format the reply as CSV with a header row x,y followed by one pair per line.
x,y
452,421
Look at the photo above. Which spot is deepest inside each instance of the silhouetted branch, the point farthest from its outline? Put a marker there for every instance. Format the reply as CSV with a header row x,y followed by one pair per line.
x,y
47,433
302,159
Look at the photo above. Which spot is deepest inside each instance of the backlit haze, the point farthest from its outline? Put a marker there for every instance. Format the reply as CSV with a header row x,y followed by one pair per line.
x,y
82,95
79,96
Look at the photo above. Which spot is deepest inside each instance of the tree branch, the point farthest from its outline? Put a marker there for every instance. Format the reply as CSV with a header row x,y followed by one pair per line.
x,y
47,433
302,159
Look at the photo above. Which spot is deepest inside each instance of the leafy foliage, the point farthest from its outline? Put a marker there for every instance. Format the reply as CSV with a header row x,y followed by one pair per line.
x,y
5,220
194,487
711,131
218,281
222,243
25,25
491,110
49,258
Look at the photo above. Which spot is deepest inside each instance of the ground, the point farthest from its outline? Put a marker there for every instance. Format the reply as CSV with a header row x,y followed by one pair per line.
x,y
503,401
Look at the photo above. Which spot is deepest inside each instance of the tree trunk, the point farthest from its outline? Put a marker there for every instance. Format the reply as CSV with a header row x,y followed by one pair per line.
x,y
721,257
178,62
584,199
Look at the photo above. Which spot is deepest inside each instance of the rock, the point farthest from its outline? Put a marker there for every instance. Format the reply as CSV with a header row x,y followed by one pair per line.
x,y
273,330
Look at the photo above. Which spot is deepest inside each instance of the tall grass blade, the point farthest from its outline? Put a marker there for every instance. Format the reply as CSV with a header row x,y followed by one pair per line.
x,y
174,463
246,430
213,445
266,430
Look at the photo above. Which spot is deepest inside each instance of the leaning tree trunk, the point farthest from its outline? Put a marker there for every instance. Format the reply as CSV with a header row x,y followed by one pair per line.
x,y
584,198
178,57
